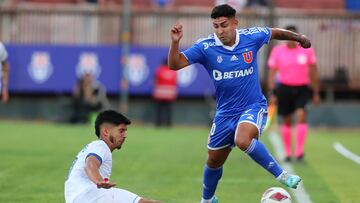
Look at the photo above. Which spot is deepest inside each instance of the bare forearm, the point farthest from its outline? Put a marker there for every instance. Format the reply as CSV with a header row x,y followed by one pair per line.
x,y
282,34
271,79
174,56
176,60
314,79
5,74
92,166
93,173
316,85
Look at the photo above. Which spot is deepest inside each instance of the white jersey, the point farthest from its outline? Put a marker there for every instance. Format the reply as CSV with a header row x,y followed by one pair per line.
x,y
79,188
3,57
78,182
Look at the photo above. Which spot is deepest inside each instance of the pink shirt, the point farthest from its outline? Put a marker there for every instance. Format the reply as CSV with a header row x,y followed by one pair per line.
x,y
292,64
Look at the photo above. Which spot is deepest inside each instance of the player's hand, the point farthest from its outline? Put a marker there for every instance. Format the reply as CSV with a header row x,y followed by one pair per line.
x,y
105,184
176,32
304,42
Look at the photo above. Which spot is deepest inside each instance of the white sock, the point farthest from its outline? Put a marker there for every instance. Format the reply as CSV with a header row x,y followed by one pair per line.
x,y
206,200
281,175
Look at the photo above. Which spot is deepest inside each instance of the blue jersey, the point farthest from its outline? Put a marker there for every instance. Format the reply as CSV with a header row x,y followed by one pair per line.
x,y
234,70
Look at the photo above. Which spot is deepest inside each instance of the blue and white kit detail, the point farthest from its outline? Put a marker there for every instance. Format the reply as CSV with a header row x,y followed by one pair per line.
x,y
234,72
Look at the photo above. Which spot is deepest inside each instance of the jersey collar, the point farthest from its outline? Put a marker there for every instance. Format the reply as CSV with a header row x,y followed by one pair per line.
x,y
219,43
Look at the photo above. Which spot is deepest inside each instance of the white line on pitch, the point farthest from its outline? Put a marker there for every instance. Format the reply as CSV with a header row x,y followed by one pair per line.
x,y
346,153
300,193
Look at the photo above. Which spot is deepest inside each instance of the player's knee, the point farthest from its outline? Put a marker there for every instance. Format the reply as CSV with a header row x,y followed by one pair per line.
x,y
287,120
243,144
214,163
301,118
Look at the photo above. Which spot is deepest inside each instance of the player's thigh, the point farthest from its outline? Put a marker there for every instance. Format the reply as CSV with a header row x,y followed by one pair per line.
x,y
256,115
285,100
222,132
124,196
300,115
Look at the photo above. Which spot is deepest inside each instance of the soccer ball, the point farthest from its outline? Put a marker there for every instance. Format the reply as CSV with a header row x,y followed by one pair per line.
x,y
276,195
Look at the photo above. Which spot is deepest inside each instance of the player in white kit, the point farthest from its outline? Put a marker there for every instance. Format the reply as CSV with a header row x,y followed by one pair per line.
x,y
88,178
4,74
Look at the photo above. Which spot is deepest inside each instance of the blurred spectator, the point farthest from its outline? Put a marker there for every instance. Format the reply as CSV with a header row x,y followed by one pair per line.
x,y
297,69
162,4
352,5
236,4
91,1
164,94
256,3
89,96
94,2
4,74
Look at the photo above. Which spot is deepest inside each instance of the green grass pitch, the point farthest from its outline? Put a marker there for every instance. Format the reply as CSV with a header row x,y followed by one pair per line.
x,y
165,164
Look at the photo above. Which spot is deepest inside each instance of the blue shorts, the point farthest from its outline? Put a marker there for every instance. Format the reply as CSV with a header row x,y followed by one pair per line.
x,y
223,128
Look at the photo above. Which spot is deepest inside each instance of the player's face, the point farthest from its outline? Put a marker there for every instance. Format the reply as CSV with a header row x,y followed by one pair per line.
x,y
225,30
292,44
117,135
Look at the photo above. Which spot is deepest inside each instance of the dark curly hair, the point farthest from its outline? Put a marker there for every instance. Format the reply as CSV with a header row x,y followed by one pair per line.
x,y
223,10
109,116
291,28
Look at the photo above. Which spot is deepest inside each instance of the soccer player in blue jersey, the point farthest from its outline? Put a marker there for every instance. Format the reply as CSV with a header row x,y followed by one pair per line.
x,y
229,56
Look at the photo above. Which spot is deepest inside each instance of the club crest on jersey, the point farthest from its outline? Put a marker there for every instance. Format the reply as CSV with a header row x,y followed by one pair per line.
x,y
301,59
248,56
219,59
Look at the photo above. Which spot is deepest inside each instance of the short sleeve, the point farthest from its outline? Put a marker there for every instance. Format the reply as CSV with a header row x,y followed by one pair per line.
x,y
98,150
272,61
3,52
312,57
194,54
262,34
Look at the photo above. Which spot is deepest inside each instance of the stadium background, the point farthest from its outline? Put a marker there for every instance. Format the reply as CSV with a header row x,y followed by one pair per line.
x,y
51,41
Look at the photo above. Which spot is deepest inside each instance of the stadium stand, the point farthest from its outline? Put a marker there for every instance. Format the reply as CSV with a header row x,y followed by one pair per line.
x,y
304,4
87,25
310,4
50,1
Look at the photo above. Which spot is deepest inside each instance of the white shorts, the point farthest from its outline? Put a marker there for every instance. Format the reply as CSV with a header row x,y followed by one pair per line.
x,y
112,195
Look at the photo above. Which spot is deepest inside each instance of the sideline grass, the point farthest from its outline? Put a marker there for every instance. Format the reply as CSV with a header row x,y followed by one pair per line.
x,y
164,164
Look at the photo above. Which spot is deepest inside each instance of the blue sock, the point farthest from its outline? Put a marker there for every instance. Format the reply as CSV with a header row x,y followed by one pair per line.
x,y
258,152
210,181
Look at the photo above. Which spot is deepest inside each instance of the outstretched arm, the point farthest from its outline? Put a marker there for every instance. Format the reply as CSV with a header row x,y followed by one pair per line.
x,y
92,170
271,86
176,60
271,79
282,34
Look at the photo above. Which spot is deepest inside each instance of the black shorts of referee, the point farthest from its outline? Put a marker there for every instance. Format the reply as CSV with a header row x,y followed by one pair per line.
x,y
290,98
